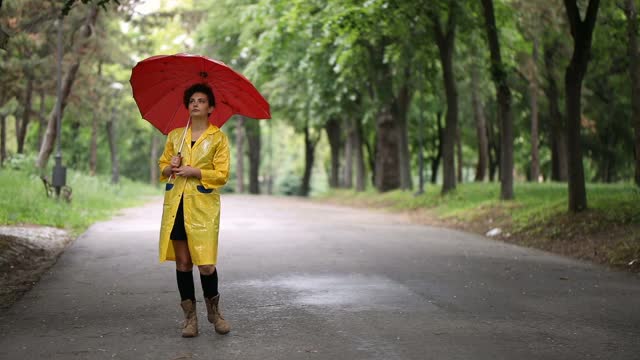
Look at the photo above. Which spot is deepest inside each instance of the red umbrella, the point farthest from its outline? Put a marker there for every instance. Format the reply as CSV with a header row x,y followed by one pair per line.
x,y
159,83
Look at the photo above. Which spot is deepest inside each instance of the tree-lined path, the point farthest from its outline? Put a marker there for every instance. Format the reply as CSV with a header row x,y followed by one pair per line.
x,y
301,280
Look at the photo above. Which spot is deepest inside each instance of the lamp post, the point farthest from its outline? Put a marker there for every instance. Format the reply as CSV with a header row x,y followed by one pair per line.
x,y
59,176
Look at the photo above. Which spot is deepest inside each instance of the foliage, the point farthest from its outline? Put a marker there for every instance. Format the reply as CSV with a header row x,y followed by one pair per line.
x,y
319,60
69,3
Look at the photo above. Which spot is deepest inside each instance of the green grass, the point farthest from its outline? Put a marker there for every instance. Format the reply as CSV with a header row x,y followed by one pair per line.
x,y
538,216
23,199
533,202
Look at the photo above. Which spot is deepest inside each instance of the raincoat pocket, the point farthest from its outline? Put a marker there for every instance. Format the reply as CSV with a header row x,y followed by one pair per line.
x,y
203,190
168,187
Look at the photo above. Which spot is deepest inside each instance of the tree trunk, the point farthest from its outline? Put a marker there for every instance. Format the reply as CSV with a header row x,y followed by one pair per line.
x,y
26,115
79,50
93,147
634,74
503,92
371,152
347,178
535,156
3,139
16,126
42,118
481,125
4,37
459,155
153,160
420,154
438,144
387,164
74,127
400,107
559,155
606,159
359,155
270,176
494,153
446,46
577,190
582,32
309,157
3,130
113,146
254,142
387,151
558,141
332,128
240,134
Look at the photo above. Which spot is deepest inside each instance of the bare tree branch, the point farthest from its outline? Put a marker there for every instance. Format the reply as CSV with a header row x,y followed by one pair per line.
x,y
592,13
573,13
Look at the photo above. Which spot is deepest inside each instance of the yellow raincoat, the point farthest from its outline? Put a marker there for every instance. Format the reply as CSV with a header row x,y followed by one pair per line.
x,y
201,200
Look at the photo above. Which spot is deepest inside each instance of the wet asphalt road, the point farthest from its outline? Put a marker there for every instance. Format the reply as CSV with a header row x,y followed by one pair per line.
x,y
306,281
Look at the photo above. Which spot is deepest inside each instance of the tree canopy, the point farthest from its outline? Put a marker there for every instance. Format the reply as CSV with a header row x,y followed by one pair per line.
x,y
383,92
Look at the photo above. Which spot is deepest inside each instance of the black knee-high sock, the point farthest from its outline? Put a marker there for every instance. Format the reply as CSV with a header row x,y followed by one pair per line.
x,y
210,284
185,285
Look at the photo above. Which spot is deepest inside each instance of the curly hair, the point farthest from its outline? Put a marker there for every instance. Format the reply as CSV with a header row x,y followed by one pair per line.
x,y
201,88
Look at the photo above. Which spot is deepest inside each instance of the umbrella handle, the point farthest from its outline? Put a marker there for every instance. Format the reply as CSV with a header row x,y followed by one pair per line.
x,y
171,176
184,135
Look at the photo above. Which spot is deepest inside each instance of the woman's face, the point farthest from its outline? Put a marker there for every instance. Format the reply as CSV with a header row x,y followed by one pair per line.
x,y
199,105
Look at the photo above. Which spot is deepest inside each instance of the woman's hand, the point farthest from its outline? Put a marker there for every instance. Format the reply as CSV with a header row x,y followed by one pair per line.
x,y
175,161
174,164
187,171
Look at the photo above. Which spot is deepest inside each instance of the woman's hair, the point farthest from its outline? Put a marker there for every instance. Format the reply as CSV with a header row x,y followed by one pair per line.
x,y
201,88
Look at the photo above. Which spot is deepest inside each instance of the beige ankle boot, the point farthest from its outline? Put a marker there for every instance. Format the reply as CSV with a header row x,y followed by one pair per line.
x,y
215,315
190,326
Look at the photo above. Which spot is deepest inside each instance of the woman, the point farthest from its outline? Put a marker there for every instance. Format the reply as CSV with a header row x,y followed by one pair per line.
x,y
191,214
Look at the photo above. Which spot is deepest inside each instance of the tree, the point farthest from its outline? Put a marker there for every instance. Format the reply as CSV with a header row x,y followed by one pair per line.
x,y
499,75
581,32
558,133
531,23
68,4
359,155
240,136
67,83
631,13
254,142
332,128
535,153
445,40
480,122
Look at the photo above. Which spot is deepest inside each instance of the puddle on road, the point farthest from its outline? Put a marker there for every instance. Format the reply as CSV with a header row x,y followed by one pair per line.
x,y
356,291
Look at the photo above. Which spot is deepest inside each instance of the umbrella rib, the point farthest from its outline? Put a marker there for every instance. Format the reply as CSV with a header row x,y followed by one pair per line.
x,y
173,119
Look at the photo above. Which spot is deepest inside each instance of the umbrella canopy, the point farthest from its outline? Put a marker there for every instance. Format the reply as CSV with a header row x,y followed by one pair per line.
x,y
159,83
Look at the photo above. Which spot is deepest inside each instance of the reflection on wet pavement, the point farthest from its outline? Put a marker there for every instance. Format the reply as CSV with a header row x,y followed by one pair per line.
x,y
351,291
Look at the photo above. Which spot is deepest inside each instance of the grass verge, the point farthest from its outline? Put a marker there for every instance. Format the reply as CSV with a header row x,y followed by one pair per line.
x,y
607,233
23,200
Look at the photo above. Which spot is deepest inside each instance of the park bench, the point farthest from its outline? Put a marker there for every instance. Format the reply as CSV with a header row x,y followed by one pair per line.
x,y
65,191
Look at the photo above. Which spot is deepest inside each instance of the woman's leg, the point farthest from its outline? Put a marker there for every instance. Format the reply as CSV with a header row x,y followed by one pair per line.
x,y
184,273
184,270
209,280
